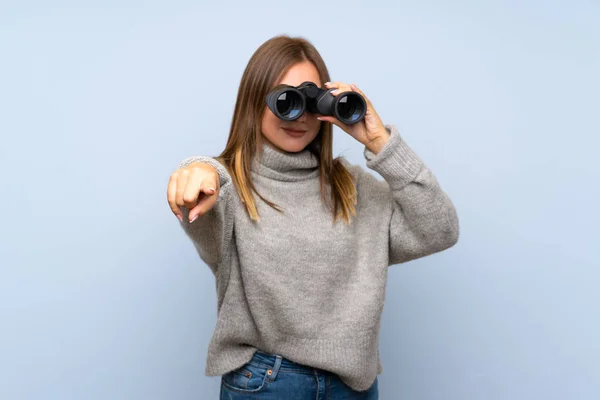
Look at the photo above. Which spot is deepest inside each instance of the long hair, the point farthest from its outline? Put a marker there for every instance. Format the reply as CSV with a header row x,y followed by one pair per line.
x,y
266,67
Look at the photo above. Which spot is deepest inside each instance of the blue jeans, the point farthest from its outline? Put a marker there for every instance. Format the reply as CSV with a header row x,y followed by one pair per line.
x,y
271,377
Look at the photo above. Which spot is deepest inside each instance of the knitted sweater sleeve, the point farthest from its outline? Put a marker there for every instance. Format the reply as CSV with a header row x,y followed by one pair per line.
x,y
211,233
423,220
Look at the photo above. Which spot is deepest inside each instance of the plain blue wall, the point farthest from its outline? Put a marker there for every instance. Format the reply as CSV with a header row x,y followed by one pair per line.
x,y
102,296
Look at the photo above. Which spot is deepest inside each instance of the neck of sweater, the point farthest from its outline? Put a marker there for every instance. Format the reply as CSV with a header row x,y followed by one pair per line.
x,y
285,166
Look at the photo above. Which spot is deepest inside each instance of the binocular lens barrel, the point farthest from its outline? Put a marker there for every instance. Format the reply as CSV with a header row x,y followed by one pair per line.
x,y
286,103
349,107
289,104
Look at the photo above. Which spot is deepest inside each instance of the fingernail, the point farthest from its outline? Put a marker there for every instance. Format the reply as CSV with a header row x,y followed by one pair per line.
x,y
328,83
180,218
334,91
193,219
212,190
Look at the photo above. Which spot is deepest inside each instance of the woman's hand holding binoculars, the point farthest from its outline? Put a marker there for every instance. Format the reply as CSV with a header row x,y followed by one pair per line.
x,y
370,131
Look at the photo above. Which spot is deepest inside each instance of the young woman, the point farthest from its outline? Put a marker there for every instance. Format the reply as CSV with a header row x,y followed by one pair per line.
x,y
299,242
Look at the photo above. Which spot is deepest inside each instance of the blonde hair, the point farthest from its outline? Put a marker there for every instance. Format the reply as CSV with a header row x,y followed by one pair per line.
x,y
264,70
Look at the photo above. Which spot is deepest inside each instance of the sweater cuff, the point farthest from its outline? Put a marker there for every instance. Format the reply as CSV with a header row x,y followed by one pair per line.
x,y
224,176
397,163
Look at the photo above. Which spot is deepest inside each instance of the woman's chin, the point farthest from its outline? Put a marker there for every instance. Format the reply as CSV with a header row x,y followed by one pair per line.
x,y
294,145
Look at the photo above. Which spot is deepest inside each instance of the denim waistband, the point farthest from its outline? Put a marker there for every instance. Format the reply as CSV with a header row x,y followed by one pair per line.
x,y
270,359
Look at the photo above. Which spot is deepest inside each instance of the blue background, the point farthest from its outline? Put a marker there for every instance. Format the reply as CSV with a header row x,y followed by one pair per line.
x,y
103,297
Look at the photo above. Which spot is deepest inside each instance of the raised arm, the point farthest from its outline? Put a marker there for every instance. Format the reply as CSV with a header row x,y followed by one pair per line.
x,y
424,220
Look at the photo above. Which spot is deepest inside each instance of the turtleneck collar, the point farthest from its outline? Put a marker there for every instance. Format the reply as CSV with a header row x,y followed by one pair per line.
x,y
284,166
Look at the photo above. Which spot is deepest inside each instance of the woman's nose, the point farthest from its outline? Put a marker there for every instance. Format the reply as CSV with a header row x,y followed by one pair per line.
x,y
303,117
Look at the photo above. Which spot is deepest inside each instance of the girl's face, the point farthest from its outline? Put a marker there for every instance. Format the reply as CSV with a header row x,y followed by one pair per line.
x,y
280,133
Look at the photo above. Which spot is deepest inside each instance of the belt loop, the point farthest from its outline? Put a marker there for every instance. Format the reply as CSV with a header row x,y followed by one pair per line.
x,y
278,360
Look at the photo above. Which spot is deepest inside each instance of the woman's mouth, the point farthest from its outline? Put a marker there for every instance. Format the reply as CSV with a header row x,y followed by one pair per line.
x,y
293,132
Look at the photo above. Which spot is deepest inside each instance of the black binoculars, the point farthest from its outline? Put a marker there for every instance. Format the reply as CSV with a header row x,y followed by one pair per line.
x,y
290,102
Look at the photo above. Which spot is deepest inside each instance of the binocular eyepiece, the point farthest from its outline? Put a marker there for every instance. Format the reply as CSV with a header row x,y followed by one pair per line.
x,y
290,102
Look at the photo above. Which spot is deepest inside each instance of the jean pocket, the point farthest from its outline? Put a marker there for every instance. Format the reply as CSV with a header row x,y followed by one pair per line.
x,y
248,378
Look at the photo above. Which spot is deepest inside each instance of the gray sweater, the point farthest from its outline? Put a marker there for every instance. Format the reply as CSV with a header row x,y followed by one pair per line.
x,y
298,285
